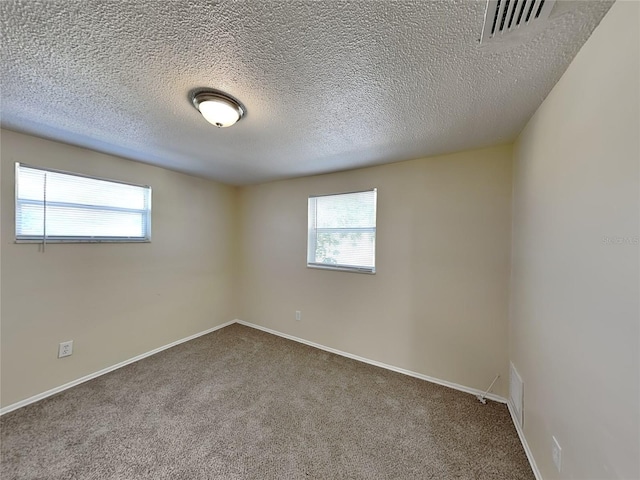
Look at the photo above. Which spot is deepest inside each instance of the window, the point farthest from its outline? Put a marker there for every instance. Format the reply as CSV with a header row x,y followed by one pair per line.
x,y
342,232
53,206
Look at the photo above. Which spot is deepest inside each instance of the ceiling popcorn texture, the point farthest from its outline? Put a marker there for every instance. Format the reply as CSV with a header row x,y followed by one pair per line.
x,y
328,86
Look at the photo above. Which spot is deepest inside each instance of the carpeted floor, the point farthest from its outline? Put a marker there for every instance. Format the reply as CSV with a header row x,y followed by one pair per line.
x,y
243,404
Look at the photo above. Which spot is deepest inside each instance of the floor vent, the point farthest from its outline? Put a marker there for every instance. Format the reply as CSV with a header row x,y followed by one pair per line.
x,y
516,394
503,19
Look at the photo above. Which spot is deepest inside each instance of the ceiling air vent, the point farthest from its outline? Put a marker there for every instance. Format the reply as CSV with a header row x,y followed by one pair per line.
x,y
504,19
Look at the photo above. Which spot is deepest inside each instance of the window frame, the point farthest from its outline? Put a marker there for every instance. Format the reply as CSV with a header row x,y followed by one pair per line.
x,y
31,239
311,237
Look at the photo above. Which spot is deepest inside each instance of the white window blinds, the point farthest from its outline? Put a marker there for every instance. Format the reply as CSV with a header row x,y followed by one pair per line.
x,y
55,206
342,231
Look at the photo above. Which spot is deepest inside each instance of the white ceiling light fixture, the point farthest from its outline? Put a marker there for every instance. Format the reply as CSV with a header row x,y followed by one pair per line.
x,y
218,108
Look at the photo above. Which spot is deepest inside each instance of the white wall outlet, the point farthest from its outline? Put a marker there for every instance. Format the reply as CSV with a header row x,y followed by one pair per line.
x,y
65,349
298,315
556,454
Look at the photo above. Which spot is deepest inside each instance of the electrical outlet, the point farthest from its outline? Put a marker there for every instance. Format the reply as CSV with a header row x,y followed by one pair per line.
x,y
298,315
556,454
65,349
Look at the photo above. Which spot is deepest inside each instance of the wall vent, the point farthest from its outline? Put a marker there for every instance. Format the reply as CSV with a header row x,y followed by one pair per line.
x,y
508,19
516,394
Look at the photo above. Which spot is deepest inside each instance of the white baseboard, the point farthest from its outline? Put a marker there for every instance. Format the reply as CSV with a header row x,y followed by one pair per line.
x,y
86,378
455,386
523,440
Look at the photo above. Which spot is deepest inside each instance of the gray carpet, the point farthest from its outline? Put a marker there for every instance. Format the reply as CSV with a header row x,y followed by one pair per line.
x,y
243,404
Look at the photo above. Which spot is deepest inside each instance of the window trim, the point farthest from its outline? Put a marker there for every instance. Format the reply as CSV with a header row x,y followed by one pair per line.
x,y
311,239
80,239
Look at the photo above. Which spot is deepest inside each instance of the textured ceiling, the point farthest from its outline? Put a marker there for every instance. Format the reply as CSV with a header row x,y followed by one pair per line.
x,y
328,85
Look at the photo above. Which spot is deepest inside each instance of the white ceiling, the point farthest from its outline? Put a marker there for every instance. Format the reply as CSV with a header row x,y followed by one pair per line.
x,y
328,85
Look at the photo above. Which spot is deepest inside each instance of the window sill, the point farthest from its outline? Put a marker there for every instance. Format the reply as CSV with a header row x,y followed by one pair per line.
x,y
342,268
48,242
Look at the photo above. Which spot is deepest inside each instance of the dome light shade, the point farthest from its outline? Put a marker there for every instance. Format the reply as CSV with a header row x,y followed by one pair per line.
x,y
218,108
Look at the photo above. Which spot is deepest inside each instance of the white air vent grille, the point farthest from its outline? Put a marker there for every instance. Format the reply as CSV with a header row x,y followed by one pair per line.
x,y
516,394
503,18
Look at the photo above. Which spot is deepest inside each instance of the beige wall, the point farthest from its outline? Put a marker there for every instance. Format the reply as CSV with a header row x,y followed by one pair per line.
x,y
114,301
574,309
438,303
